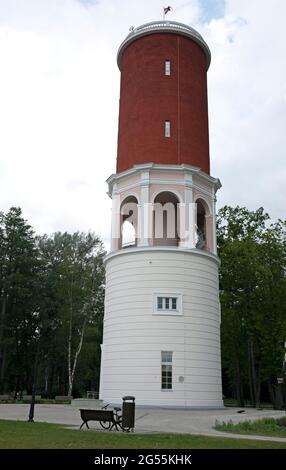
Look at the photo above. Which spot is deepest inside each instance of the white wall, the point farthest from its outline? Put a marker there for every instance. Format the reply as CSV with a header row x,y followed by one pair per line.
x,y
134,335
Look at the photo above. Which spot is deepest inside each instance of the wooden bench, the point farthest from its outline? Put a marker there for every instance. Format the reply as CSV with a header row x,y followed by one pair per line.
x,y
104,416
28,398
5,397
92,394
63,398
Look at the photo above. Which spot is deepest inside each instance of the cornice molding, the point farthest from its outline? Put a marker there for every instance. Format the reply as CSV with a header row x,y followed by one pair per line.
x,y
152,249
151,167
164,27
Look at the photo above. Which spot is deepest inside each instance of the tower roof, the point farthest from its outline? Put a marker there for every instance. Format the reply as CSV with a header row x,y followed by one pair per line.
x,y
164,27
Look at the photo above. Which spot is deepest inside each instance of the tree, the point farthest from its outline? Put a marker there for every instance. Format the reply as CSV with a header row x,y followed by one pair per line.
x,y
18,298
51,293
75,300
252,284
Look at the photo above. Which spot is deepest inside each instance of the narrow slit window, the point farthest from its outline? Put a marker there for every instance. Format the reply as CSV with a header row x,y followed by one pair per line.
x,y
167,129
166,370
167,67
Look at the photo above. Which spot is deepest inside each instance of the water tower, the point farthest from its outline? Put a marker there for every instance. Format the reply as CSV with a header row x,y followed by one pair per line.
x,y
161,339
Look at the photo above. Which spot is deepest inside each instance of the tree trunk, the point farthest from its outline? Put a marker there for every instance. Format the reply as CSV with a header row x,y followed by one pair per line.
x,y
3,367
239,385
275,395
258,389
77,353
50,380
69,356
2,348
61,381
252,373
70,378
17,389
250,384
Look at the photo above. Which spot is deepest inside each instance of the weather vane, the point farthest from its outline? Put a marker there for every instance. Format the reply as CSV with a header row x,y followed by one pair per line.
x,y
165,11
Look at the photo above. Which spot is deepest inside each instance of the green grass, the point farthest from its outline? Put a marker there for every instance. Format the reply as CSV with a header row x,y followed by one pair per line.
x,y
24,435
263,427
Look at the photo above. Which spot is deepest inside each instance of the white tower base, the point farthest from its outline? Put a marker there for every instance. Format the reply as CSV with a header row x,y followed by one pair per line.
x,y
136,333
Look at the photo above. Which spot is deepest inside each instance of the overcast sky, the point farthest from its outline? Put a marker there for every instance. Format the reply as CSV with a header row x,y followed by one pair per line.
x,y
59,92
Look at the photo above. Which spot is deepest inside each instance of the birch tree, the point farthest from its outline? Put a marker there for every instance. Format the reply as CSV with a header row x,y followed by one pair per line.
x,y
79,291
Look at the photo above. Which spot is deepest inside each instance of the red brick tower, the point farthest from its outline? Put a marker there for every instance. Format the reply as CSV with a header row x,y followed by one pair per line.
x,y
167,67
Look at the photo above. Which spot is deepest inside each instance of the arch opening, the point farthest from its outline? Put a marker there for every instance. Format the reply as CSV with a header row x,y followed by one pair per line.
x,y
202,226
129,222
165,219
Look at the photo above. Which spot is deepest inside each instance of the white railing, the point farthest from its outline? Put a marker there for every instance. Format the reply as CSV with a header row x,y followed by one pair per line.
x,y
172,25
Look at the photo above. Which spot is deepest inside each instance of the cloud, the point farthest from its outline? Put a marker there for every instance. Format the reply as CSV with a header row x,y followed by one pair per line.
x,y
59,91
211,9
247,110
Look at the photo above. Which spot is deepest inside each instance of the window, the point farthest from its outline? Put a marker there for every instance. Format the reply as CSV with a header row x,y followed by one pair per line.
x,y
160,303
167,129
166,370
167,303
167,67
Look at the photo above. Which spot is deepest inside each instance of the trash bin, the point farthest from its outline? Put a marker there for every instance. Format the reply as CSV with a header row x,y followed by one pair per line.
x,y
280,394
128,412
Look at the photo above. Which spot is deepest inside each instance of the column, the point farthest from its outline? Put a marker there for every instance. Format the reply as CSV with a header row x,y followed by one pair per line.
x,y
144,211
188,216
115,221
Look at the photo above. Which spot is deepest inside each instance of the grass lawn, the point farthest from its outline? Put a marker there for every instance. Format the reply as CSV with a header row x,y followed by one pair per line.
x,y
24,435
263,427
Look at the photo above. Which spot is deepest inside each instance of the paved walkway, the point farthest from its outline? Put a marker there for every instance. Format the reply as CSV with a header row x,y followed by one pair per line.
x,y
198,422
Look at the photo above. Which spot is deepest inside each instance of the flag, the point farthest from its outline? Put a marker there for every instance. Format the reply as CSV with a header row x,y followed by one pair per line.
x,y
166,9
